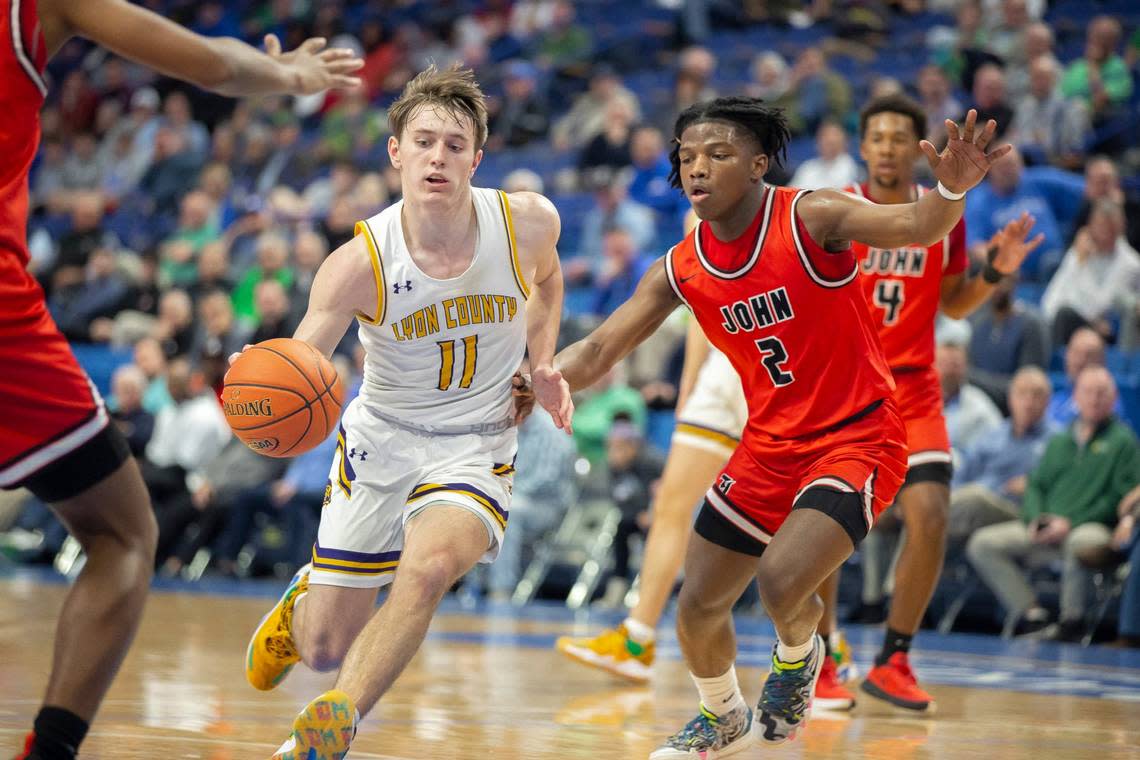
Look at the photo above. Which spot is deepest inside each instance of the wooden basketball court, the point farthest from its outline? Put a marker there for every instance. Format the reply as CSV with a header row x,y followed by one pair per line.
x,y
490,685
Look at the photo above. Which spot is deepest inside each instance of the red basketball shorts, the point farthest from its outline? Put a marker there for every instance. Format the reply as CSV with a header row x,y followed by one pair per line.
x,y
48,406
918,394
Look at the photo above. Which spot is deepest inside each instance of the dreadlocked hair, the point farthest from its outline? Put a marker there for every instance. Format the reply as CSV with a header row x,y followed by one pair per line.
x,y
767,124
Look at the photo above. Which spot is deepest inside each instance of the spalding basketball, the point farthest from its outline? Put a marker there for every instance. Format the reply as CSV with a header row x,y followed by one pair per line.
x,y
282,397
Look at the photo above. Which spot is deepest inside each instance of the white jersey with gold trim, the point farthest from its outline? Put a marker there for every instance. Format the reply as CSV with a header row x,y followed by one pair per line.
x,y
441,353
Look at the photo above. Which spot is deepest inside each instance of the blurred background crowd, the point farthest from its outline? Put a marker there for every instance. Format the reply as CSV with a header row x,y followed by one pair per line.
x,y
171,227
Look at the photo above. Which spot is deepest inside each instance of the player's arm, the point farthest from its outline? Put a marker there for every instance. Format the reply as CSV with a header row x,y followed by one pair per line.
x,y
834,218
345,287
696,353
222,64
962,294
537,227
584,363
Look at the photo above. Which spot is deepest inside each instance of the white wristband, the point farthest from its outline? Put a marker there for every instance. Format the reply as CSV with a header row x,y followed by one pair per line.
x,y
945,193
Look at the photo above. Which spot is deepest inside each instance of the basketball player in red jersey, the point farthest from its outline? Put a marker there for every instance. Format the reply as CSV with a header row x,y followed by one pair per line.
x,y
54,436
771,277
905,286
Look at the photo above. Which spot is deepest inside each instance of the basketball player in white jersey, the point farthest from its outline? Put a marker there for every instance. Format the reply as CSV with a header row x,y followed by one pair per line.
x,y
450,287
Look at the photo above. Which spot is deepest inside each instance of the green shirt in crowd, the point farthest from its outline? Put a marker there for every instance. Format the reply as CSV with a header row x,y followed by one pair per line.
x,y
1084,483
1114,75
244,308
594,418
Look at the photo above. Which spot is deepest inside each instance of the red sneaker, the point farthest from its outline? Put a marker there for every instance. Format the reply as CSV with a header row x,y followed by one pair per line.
x,y
830,694
27,747
894,682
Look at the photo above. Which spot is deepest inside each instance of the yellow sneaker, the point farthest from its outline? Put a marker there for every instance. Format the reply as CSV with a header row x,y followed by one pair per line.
x,y
845,667
271,653
612,651
322,731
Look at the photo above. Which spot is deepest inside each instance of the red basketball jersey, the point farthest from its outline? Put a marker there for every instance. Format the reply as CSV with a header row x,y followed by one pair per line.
x,y
23,56
904,288
790,317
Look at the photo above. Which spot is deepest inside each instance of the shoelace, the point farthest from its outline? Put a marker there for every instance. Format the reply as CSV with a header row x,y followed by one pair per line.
x,y
784,692
698,732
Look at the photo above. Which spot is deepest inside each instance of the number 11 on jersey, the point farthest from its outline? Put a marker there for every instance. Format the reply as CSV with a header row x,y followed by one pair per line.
x,y
447,362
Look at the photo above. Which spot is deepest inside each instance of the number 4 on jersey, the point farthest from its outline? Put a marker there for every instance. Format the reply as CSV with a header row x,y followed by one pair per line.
x,y
447,362
889,297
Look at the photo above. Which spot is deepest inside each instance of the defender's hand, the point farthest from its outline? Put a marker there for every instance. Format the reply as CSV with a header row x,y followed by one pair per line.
x,y
316,68
553,394
964,161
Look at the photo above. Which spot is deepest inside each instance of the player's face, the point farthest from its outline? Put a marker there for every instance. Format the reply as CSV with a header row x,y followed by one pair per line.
x,y
890,148
720,164
436,155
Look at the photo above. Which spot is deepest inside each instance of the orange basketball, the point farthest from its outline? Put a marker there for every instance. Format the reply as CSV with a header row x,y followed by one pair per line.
x,y
282,397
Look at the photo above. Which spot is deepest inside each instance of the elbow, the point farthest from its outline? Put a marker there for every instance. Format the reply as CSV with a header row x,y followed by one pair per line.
x,y
220,71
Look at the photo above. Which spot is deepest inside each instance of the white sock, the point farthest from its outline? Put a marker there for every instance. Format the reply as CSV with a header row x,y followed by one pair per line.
x,y
788,653
834,639
721,694
639,632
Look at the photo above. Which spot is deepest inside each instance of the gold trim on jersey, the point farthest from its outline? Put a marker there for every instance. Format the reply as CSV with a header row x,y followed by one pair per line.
x,y
429,489
377,272
724,439
505,206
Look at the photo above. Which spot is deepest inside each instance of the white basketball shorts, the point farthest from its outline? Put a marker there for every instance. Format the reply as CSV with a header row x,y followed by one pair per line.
x,y
715,412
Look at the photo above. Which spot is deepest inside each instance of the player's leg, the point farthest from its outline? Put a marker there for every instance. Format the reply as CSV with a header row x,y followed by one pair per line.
x,y
113,522
628,650
719,565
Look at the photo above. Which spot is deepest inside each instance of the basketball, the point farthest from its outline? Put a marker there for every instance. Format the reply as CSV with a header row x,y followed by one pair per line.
x,y
282,397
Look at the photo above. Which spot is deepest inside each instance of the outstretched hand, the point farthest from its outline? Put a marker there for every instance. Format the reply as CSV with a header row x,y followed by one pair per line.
x,y
553,394
964,161
1012,245
315,67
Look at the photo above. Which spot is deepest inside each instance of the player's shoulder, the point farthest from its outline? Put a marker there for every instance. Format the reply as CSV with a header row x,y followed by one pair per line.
x,y
535,220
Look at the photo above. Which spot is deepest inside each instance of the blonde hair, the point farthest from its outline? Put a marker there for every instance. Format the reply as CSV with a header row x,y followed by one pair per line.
x,y
454,89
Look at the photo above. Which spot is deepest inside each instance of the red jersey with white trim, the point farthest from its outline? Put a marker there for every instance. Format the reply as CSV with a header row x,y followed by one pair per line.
x,y
23,56
904,288
790,317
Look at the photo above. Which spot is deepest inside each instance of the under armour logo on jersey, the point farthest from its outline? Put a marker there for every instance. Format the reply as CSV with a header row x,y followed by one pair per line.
x,y
725,483
397,288
362,454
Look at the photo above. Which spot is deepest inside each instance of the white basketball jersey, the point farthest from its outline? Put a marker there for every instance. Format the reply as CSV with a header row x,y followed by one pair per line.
x,y
442,352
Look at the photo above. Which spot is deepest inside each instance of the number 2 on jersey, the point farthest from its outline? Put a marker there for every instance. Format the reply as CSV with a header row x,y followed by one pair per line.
x,y
447,362
889,298
773,355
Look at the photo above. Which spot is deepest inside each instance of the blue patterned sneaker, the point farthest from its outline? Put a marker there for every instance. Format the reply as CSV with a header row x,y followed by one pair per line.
x,y
785,703
709,737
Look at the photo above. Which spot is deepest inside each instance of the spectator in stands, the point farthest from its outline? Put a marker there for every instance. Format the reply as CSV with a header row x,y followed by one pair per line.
x,y
544,490
289,164
1038,41
309,251
564,46
989,98
938,102
772,81
697,64
613,208
969,411
76,101
217,182
832,166
820,92
1006,334
1010,190
47,178
1102,182
321,192
1085,349
1007,36
253,150
650,184
176,115
101,294
991,477
272,264
86,235
1098,283
175,168
128,384
608,151
213,271
151,359
82,169
119,169
523,115
608,399
140,126
1101,77
1047,125
275,313
218,336
174,325
197,226
633,469
586,117
1070,504
623,266
352,129
523,181
338,227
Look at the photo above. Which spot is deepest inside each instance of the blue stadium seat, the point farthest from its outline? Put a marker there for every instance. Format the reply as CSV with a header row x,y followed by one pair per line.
x,y
100,362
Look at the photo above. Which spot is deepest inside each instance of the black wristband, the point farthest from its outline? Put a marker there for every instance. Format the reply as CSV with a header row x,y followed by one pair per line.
x,y
989,273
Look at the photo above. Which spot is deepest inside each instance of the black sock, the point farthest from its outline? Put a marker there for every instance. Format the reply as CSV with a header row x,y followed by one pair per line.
x,y
59,733
894,642
826,643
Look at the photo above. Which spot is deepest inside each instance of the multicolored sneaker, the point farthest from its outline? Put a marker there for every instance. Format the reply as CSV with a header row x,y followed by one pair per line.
x,y
785,703
709,737
845,666
271,653
613,651
894,681
323,730
830,693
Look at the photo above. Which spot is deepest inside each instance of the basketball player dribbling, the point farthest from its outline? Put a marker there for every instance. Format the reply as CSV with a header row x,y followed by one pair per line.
x,y
905,286
771,277
55,439
450,286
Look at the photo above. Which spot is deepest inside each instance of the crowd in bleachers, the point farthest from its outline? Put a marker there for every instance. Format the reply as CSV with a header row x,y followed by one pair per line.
x,y
170,227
